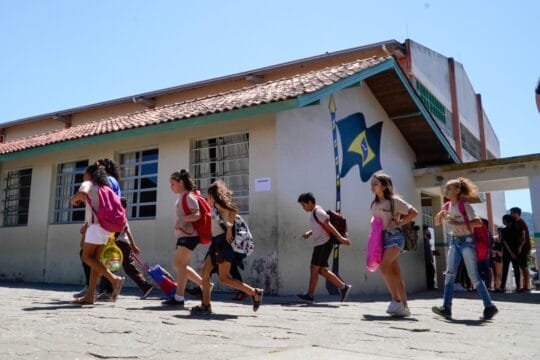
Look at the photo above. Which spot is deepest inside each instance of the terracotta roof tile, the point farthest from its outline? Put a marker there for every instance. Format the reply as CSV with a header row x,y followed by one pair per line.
x,y
263,93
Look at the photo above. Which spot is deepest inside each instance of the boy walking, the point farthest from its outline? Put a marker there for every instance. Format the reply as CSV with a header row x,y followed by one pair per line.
x,y
320,232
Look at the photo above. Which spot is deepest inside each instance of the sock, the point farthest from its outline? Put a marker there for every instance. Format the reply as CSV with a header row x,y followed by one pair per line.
x,y
178,297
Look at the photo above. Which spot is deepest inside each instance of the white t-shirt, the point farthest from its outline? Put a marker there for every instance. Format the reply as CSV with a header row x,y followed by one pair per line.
x,y
90,189
383,210
318,234
216,223
455,214
184,228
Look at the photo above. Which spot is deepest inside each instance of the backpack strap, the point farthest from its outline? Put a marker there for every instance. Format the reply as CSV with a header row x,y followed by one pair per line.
x,y
324,227
185,207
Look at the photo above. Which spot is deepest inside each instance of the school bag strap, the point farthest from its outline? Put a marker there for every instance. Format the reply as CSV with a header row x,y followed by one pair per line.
x,y
462,210
323,226
203,225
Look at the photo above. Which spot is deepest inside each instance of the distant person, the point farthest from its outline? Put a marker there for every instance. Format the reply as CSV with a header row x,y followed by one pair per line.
x,y
509,236
484,265
320,225
497,262
523,250
428,258
394,213
460,230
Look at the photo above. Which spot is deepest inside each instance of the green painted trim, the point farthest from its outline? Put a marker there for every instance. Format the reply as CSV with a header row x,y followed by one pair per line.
x,y
152,129
536,235
345,83
425,112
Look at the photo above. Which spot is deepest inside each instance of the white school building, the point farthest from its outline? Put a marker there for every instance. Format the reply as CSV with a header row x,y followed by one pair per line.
x,y
268,133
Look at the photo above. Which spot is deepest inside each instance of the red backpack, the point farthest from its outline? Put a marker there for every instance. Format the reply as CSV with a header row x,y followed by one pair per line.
x,y
110,215
203,226
480,233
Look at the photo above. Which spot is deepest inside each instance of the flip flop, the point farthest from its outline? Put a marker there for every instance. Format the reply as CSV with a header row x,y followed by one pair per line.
x,y
81,301
118,288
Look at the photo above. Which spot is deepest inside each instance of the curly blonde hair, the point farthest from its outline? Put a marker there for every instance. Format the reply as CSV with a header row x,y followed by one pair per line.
x,y
467,189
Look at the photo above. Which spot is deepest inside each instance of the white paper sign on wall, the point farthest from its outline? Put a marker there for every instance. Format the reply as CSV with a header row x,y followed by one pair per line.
x,y
263,184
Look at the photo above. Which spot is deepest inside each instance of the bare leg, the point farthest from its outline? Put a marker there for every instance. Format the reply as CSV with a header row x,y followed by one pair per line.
x,y
183,270
330,276
206,274
225,278
389,256
313,279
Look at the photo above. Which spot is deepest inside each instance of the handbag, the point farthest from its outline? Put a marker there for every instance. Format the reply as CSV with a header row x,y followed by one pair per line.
x,y
410,232
111,256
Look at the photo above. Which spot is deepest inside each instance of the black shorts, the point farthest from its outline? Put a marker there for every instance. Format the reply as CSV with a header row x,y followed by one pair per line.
x,y
220,250
321,254
189,242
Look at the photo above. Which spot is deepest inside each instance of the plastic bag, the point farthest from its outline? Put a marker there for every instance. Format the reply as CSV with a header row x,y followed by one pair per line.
x,y
375,246
111,256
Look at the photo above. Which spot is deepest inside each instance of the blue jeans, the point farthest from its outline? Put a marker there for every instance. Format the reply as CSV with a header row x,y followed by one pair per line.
x,y
463,247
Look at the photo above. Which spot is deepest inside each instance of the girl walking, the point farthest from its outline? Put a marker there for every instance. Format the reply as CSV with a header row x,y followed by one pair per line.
x,y
460,219
221,254
394,212
95,236
187,237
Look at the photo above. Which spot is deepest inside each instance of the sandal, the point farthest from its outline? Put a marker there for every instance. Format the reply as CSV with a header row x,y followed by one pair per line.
x,y
82,301
203,309
257,298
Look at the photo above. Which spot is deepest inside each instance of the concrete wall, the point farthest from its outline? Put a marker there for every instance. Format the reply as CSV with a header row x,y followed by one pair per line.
x,y
306,163
466,95
431,68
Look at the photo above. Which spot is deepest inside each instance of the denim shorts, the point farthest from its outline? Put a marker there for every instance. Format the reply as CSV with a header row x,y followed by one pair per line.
x,y
393,238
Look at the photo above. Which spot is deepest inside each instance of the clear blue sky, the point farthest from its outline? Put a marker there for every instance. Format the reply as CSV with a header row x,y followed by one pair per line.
x,y
60,54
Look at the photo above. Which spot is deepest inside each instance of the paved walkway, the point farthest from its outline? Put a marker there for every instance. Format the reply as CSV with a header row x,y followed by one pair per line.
x,y
38,322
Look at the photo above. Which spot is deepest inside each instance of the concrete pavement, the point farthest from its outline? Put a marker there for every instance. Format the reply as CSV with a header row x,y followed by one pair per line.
x,y
38,322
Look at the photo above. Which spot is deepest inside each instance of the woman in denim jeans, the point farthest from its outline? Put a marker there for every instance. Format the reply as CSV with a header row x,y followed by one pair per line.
x,y
394,213
462,244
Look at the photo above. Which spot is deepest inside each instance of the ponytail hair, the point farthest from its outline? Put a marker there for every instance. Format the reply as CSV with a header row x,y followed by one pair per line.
x,y
186,178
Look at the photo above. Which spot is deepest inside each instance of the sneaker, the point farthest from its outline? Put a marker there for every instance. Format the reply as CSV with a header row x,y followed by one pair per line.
x,y
305,298
490,311
393,307
345,292
172,302
81,293
442,311
147,292
104,296
403,311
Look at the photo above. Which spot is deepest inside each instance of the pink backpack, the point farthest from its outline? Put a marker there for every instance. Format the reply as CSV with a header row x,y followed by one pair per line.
x,y
110,215
375,246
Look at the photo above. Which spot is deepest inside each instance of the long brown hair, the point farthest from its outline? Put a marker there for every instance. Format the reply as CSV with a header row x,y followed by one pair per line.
x,y
386,182
222,195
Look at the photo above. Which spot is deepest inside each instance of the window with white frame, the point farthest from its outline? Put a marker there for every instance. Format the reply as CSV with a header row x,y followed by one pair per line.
x,y
225,158
138,182
17,197
69,177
